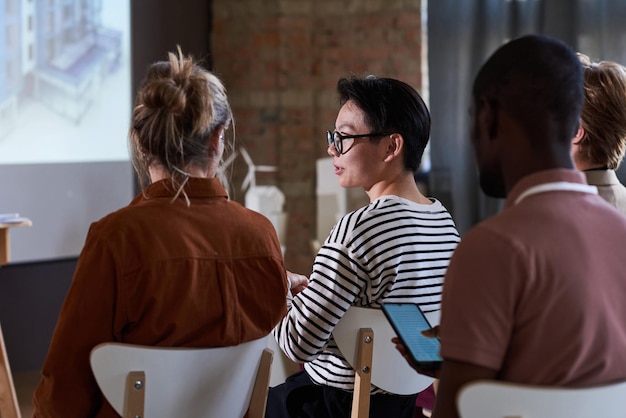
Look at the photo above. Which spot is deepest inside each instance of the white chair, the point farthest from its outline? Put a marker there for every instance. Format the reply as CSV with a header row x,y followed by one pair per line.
x,y
364,337
490,399
155,382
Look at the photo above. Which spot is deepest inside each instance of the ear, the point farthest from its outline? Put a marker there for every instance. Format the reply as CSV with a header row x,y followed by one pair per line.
x,y
395,144
216,145
580,134
488,116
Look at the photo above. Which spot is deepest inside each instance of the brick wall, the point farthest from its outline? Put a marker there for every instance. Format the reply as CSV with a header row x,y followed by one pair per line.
x,y
280,61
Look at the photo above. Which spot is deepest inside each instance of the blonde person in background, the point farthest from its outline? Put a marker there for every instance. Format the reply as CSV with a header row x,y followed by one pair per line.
x,y
599,145
181,265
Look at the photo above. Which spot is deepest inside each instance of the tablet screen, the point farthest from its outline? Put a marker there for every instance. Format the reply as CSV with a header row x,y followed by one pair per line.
x,y
408,321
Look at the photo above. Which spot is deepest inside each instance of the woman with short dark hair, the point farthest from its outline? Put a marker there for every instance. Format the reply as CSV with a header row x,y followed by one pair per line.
x,y
396,248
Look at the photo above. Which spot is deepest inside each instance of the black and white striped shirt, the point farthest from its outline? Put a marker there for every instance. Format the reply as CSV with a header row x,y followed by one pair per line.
x,y
392,250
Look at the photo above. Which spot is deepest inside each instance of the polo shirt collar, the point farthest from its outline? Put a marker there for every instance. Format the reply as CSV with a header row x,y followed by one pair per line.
x,y
542,177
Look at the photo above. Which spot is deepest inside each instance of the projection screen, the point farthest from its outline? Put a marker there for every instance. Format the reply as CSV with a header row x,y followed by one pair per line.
x,y
65,103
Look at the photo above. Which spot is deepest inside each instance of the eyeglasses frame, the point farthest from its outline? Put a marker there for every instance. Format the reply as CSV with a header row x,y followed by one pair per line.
x,y
338,144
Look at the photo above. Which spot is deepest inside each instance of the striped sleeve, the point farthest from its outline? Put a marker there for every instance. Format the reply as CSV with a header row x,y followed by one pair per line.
x,y
333,287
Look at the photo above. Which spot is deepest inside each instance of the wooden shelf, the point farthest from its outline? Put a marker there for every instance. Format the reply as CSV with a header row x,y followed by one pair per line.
x,y
5,242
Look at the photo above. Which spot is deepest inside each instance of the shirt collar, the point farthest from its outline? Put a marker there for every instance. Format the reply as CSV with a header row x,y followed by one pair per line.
x,y
602,177
541,177
195,187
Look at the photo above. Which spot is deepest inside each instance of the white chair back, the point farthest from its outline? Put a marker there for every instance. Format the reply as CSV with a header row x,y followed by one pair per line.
x,y
490,399
181,382
390,371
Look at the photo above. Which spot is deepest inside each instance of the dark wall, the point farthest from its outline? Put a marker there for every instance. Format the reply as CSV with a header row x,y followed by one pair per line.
x,y
30,298
31,294
158,26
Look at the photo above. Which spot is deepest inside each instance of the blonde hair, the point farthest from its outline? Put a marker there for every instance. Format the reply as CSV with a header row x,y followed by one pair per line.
x,y
604,113
178,108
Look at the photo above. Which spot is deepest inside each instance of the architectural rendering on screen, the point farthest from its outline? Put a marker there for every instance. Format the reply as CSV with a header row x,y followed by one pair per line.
x,y
64,80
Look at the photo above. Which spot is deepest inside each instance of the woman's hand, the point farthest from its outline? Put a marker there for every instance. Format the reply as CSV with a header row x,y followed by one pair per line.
x,y
297,282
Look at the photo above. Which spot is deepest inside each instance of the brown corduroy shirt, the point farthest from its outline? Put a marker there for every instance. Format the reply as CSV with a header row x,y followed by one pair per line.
x,y
163,273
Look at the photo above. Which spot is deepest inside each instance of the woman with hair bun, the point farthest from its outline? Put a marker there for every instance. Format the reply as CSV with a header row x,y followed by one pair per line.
x,y
181,265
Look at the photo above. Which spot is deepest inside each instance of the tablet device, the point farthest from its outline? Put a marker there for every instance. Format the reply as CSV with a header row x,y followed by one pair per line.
x,y
408,321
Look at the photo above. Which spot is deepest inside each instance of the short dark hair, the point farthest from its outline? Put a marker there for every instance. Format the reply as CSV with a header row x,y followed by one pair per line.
x,y
539,81
391,105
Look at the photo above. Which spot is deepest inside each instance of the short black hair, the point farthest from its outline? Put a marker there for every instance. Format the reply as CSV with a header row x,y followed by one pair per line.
x,y
539,81
391,105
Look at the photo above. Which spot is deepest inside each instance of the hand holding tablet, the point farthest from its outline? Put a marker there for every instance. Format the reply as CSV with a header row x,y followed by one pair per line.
x,y
408,321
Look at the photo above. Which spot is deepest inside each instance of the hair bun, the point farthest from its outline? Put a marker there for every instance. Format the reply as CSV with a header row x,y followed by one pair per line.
x,y
166,95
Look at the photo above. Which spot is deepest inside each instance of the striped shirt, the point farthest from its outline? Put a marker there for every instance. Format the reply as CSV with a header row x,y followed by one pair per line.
x,y
392,250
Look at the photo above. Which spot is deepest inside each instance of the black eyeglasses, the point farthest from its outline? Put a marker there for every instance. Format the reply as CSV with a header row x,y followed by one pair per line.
x,y
336,139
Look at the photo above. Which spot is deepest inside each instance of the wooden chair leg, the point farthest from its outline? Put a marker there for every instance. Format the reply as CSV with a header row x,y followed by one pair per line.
x,y
135,395
258,400
363,374
9,407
